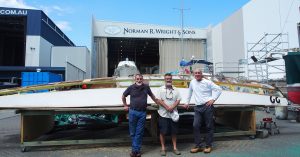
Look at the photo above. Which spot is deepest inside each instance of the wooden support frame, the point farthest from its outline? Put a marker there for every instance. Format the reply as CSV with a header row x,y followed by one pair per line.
x,y
43,122
35,123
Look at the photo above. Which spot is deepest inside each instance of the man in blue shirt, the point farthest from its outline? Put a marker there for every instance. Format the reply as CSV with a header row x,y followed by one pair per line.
x,y
137,111
205,94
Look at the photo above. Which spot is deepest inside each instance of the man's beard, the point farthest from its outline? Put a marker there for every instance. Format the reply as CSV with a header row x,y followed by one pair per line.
x,y
169,84
139,83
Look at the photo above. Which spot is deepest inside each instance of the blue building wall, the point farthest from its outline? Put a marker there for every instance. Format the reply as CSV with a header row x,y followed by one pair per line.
x,y
52,33
38,23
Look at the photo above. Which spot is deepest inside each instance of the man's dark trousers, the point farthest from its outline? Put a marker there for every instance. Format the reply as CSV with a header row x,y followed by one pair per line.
x,y
203,112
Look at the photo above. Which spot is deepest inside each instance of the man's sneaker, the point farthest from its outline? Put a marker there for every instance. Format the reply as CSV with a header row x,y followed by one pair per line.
x,y
207,150
163,152
176,151
196,149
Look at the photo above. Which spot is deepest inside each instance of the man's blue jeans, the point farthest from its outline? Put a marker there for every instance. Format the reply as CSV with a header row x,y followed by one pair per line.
x,y
137,121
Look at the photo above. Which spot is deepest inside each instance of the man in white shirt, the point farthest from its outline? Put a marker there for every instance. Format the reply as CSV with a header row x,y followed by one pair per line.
x,y
205,94
168,99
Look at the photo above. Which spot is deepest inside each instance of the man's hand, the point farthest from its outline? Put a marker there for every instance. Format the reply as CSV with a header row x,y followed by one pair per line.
x,y
126,107
169,108
210,102
186,106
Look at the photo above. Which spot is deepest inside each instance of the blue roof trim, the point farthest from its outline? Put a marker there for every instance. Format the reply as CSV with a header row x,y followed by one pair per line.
x,y
52,33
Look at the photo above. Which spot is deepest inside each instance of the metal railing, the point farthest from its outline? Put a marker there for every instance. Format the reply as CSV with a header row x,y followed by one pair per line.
x,y
235,69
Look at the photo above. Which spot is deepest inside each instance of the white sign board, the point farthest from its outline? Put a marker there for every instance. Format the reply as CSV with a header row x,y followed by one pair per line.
x,y
134,30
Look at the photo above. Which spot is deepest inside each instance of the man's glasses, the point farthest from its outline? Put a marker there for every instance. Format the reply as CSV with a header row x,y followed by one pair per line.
x,y
197,72
169,96
139,79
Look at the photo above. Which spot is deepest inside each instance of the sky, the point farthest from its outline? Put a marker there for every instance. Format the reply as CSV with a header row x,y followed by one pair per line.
x,y
74,17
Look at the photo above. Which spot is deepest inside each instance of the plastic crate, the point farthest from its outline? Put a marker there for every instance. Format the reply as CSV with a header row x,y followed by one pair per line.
x,y
38,78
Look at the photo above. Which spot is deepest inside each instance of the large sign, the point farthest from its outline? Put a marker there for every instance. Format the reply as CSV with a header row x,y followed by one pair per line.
x,y
118,29
157,31
13,12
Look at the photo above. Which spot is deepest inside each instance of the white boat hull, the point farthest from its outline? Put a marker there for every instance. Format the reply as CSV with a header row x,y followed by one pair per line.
x,y
111,97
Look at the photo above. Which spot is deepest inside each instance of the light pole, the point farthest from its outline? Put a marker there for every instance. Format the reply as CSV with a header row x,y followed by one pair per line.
x,y
181,9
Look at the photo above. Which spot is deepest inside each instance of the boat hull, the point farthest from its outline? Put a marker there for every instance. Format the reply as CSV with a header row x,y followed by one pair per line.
x,y
111,97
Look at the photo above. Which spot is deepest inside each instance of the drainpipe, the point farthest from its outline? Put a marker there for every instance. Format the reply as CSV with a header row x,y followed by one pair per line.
x,y
298,28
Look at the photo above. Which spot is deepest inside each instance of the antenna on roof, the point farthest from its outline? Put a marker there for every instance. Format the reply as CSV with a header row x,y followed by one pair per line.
x,y
181,9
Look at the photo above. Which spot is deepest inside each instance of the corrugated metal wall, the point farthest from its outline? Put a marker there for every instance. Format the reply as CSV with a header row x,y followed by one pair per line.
x,y
100,55
169,51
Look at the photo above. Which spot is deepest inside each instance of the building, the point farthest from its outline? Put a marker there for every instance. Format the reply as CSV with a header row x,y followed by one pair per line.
x,y
261,28
228,44
26,40
28,34
76,60
152,47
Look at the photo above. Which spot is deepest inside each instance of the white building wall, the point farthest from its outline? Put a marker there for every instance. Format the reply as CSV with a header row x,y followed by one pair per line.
x,y
271,16
45,53
233,38
232,44
32,50
38,51
209,47
73,58
217,47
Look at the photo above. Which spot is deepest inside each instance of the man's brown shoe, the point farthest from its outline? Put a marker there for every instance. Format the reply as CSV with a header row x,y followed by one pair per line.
x,y
132,154
177,152
138,154
196,150
207,150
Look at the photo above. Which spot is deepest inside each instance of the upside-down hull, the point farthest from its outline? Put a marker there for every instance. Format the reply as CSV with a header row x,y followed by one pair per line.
x,y
111,97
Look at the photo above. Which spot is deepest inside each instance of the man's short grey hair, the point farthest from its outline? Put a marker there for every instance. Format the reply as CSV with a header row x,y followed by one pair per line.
x,y
198,69
140,75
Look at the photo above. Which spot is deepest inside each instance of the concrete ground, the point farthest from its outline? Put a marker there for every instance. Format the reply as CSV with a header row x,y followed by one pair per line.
x,y
285,144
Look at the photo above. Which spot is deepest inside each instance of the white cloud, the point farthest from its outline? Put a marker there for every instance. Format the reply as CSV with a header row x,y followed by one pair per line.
x,y
47,10
56,10
15,4
63,25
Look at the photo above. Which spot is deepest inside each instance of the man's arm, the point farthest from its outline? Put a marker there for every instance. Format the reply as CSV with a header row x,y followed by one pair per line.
x,y
126,107
154,98
163,104
176,103
188,99
125,94
160,101
217,92
178,99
